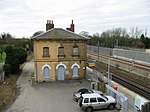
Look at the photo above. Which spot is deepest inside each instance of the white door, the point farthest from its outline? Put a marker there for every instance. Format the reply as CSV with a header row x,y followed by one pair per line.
x,y
61,73
46,72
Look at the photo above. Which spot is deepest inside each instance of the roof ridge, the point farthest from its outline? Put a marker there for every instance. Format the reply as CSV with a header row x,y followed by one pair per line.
x,y
73,33
66,34
42,33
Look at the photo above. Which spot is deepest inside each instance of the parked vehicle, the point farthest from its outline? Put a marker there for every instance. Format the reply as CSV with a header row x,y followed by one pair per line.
x,y
93,101
77,95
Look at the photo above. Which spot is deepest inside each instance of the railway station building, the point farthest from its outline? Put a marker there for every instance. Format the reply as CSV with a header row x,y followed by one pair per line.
x,y
59,54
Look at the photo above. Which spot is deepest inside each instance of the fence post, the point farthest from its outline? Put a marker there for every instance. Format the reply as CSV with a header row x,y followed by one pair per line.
x,y
98,49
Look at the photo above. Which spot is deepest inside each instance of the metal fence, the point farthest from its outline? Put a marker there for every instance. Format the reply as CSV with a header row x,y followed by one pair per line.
x,y
133,55
102,50
101,84
121,53
121,99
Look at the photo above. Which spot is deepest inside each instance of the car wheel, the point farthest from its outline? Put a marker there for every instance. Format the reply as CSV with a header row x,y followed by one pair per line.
x,y
111,106
89,109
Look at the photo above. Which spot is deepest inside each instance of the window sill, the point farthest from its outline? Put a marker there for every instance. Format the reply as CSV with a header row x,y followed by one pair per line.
x,y
46,56
76,76
61,56
75,55
46,77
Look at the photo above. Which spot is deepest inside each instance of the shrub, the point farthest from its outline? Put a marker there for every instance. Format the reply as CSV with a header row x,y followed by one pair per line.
x,y
7,69
15,57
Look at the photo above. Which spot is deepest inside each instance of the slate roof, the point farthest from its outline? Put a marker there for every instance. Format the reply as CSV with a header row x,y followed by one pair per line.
x,y
59,33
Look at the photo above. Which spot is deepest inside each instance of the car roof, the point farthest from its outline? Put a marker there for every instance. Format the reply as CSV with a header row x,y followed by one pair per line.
x,y
91,95
96,91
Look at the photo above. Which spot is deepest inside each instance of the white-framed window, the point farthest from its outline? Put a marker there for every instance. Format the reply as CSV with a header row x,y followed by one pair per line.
x,y
75,71
75,68
46,72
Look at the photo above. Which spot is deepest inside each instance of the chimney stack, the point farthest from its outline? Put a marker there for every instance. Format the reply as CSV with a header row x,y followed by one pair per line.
x,y
49,25
71,27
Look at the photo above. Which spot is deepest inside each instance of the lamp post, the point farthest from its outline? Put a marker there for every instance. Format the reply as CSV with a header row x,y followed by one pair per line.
x,y
108,76
117,43
98,50
108,72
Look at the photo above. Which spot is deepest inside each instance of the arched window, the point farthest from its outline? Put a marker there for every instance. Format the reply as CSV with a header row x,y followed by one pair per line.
x,y
75,68
46,72
75,71
61,73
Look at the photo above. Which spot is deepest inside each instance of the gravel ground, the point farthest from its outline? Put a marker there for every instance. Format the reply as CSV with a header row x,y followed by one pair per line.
x,y
46,97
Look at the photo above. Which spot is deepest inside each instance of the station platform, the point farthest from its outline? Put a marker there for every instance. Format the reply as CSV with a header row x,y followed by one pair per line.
x,y
92,75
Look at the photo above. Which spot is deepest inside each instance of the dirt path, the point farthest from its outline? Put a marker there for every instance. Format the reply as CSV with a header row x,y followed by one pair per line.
x,y
23,82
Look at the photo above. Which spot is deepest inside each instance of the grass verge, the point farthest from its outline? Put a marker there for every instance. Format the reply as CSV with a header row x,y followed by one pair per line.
x,y
8,90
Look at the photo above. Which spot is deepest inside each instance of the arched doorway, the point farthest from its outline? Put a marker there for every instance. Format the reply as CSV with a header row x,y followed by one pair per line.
x,y
61,73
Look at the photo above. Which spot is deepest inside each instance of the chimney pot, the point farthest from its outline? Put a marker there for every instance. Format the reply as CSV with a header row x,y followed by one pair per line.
x,y
49,25
71,27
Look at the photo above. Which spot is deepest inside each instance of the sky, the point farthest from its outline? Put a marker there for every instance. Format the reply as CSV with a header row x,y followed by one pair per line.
x,y
22,18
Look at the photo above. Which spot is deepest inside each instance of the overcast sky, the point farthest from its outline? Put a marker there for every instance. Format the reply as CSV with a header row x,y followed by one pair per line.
x,y
24,17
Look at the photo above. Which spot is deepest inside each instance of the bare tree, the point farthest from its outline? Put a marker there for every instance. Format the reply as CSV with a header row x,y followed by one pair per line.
x,y
135,32
37,33
5,36
84,33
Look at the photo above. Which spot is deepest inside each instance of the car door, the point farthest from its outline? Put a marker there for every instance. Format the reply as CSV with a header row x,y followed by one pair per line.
x,y
101,103
86,102
93,102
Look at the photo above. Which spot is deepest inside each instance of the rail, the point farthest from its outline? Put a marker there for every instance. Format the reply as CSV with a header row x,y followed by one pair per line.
x,y
136,86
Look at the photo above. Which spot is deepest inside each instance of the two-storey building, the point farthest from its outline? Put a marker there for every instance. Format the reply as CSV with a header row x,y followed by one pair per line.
x,y
59,54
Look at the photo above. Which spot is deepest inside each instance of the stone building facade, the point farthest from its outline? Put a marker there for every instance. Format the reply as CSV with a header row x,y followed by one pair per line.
x,y
59,54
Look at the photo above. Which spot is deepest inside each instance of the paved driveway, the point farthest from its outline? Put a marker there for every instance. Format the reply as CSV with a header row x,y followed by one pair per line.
x,y
46,97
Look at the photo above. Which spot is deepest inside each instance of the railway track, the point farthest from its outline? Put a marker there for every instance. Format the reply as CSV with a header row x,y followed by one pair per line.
x,y
132,87
127,62
139,87
141,80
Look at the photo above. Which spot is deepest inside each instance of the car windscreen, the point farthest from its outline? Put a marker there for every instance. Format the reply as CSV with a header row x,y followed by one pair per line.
x,y
83,91
105,97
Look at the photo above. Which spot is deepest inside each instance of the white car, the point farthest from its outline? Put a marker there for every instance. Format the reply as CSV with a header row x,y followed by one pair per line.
x,y
89,102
